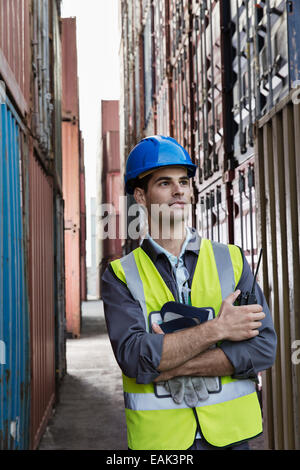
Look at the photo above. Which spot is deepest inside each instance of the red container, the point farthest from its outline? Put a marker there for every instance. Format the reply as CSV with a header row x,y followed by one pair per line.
x,y
71,192
110,116
162,120
41,289
15,50
70,97
113,151
71,176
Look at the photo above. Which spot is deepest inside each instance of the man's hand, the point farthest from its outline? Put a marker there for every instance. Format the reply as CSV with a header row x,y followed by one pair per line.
x,y
238,323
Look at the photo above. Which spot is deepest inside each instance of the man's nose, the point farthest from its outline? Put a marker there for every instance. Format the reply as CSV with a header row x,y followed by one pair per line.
x,y
177,189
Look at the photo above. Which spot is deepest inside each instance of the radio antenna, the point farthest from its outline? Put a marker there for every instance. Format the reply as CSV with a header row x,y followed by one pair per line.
x,y
257,268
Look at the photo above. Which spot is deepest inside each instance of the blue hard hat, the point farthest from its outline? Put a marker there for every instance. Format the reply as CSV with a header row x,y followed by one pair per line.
x,y
155,152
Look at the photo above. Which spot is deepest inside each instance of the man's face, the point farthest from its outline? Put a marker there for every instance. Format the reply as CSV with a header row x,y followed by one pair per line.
x,y
168,192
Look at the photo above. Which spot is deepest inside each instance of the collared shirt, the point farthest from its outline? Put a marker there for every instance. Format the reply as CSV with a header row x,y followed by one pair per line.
x,y
138,353
180,272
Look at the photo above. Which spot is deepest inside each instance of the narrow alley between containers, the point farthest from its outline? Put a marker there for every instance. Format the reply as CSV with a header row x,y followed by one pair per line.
x,y
89,414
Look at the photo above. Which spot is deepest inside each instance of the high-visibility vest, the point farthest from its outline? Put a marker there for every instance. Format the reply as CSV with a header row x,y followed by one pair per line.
x,y
230,416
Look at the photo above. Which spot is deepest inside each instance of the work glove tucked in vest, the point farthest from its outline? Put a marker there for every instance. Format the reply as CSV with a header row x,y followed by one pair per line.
x,y
191,389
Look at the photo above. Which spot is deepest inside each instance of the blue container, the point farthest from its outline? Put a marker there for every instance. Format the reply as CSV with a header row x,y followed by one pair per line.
x,y
14,320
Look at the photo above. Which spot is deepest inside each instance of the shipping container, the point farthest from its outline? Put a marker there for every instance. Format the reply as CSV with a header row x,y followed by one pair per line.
x,y
59,291
15,369
147,69
213,126
15,51
83,278
244,225
277,181
56,90
111,187
71,193
71,185
41,293
162,115
41,65
70,96
214,213
30,73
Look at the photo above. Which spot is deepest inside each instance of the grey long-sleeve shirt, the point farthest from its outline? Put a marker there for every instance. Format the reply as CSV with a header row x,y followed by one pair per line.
x,y
138,353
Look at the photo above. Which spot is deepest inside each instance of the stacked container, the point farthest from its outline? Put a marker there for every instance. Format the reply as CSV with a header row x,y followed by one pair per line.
x,y
111,186
32,315
72,181
230,73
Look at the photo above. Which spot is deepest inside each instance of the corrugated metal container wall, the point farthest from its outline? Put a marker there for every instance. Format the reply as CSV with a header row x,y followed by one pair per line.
x,y
70,103
243,190
60,307
71,176
56,89
14,321
41,290
208,91
41,92
71,189
278,182
15,50
212,212
111,183
260,64
56,58
83,278
147,68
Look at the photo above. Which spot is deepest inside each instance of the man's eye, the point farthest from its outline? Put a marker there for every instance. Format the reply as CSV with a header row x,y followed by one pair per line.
x,y
164,183
184,182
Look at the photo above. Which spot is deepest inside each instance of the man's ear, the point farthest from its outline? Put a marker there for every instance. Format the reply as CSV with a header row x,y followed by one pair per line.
x,y
139,196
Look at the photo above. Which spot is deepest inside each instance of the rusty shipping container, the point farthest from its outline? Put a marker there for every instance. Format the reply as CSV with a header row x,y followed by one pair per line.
x,y
111,182
71,176
71,192
278,183
41,289
29,60
15,51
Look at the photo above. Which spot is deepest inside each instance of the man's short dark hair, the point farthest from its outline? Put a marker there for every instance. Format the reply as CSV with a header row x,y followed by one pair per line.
x,y
141,182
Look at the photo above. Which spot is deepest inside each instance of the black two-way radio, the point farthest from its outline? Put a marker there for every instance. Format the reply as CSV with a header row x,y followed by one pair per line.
x,y
249,298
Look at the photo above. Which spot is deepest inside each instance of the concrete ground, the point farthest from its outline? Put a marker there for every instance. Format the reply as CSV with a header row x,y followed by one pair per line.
x,y
90,413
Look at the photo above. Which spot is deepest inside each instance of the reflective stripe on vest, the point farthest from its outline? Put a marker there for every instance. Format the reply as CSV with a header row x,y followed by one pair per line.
x,y
226,417
134,283
149,401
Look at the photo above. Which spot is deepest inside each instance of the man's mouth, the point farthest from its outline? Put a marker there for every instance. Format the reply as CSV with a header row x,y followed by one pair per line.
x,y
177,204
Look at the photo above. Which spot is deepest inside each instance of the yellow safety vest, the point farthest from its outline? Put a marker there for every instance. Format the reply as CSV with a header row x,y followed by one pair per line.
x,y
230,416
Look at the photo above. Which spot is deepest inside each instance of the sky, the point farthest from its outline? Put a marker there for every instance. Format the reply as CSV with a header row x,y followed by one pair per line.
x,y
98,39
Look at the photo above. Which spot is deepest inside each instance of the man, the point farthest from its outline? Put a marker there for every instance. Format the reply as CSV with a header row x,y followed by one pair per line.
x,y
201,274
